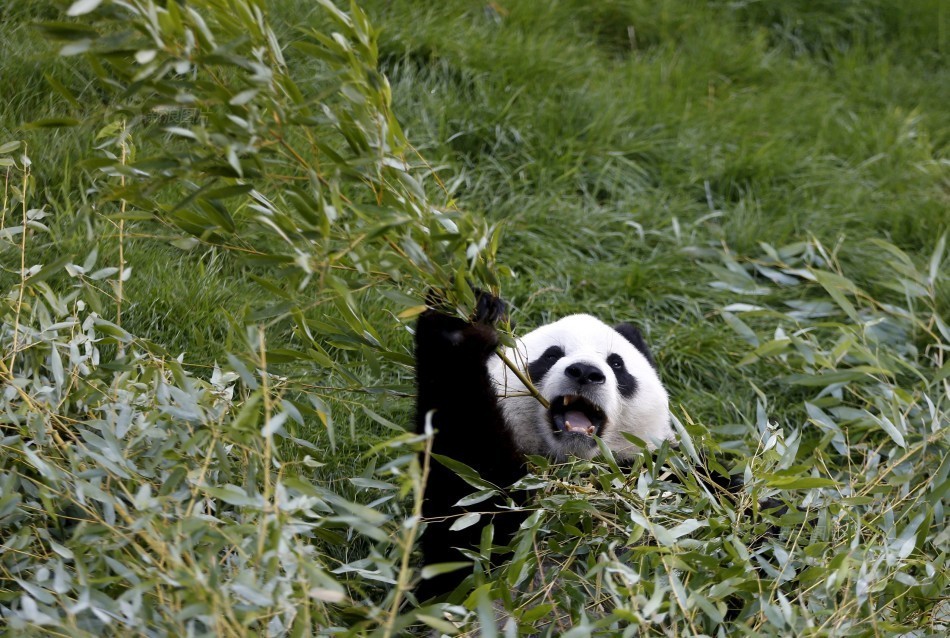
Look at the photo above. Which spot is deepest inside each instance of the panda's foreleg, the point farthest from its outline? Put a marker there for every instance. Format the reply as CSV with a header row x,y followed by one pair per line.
x,y
456,394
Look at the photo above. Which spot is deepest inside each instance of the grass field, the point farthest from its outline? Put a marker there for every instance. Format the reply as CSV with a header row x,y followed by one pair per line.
x,y
762,187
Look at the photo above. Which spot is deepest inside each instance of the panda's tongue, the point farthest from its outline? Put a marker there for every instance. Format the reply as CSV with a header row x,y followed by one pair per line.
x,y
576,421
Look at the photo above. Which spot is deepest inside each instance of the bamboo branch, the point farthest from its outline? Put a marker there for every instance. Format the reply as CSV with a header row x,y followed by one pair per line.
x,y
405,572
521,377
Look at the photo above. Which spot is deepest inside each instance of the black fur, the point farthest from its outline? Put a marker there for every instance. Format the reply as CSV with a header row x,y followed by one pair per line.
x,y
454,386
538,368
632,334
625,381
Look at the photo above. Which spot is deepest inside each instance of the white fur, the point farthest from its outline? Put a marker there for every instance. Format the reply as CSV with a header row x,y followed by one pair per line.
x,y
584,339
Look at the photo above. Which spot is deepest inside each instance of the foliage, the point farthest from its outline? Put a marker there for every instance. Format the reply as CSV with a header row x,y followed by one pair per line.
x,y
207,130
158,502
862,476
228,179
137,497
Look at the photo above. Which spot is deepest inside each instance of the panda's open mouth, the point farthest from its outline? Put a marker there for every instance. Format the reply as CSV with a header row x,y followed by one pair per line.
x,y
573,414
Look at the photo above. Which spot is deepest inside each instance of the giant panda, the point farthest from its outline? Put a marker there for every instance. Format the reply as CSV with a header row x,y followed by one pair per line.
x,y
597,380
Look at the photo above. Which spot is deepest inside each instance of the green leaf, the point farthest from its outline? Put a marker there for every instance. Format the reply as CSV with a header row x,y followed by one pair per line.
x,y
662,535
383,421
688,526
53,122
466,473
444,627
477,497
234,495
82,7
49,270
936,259
890,429
837,286
857,373
68,30
740,328
797,482
437,569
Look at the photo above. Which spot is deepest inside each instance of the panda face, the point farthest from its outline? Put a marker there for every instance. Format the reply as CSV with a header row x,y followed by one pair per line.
x,y
596,381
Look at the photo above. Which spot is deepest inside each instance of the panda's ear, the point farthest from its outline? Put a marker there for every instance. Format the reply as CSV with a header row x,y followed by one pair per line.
x,y
632,334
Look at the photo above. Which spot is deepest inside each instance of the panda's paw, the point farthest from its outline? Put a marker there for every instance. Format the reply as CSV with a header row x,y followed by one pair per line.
x,y
489,309
476,336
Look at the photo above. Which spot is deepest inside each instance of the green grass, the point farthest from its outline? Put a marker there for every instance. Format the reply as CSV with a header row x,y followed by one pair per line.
x,y
626,149
784,123
789,123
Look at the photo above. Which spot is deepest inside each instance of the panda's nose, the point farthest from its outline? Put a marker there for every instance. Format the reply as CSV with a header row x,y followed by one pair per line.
x,y
585,374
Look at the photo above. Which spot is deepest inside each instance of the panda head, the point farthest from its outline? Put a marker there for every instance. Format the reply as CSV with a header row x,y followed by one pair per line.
x,y
598,381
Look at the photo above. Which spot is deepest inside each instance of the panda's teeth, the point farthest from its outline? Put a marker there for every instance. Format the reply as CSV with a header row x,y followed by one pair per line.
x,y
569,399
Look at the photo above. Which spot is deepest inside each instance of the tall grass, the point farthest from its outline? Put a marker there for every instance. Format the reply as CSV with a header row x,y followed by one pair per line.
x,y
219,220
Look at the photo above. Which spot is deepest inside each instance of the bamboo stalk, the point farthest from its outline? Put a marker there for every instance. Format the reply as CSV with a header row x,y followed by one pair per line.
x,y
522,377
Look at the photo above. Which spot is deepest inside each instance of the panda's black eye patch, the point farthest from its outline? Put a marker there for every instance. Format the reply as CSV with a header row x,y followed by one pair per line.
x,y
625,381
543,364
